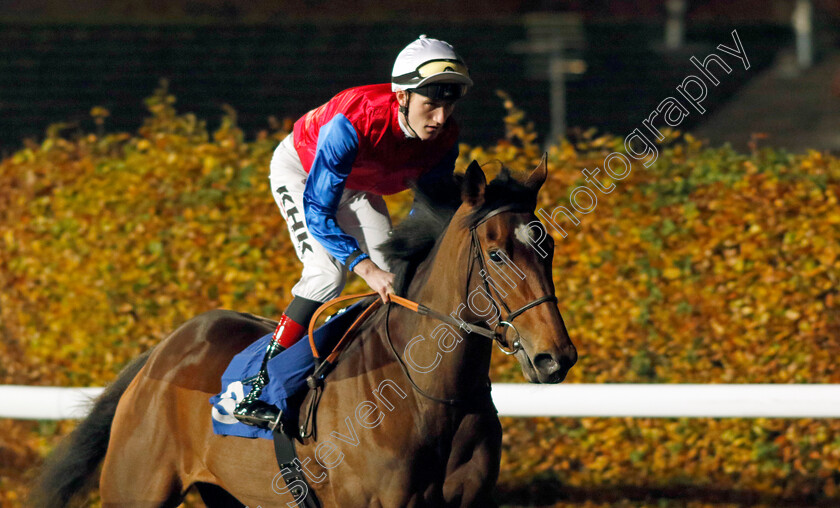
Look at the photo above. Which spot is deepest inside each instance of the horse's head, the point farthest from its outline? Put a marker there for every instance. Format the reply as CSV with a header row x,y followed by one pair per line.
x,y
509,283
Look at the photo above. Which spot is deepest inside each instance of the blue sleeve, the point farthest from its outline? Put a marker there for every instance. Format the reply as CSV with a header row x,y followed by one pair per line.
x,y
337,147
438,177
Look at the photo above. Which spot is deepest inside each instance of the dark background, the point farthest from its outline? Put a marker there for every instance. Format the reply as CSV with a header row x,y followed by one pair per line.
x,y
58,60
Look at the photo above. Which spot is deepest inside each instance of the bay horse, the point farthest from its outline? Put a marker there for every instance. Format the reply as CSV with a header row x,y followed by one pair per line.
x,y
405,419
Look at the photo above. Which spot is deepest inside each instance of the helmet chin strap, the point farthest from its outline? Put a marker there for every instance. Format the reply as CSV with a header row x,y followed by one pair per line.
x,y
404,111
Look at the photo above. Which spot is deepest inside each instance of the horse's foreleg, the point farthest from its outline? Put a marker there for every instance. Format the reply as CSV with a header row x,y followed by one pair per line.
x,y
473,466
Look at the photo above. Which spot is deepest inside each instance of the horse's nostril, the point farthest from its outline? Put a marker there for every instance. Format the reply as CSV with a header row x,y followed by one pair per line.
x,y
545,363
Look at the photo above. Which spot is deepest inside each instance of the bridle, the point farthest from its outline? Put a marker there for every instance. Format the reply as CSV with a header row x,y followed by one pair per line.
x,y
496,336
475,245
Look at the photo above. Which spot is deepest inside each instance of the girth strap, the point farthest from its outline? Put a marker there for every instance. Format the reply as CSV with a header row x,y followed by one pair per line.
x,y
290,469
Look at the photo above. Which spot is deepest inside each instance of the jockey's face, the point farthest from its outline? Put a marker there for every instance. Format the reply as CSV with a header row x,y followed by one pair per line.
x,y
426,116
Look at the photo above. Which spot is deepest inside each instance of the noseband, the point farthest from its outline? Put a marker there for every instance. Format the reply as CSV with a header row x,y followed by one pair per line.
x,y
499,336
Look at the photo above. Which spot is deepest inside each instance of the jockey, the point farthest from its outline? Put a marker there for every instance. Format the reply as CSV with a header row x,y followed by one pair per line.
x,y
328,178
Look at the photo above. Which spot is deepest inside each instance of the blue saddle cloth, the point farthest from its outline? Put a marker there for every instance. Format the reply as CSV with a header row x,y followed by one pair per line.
x,y
287,373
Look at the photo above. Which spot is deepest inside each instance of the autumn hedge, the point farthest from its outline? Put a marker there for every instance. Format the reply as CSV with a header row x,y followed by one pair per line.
x,y
710,266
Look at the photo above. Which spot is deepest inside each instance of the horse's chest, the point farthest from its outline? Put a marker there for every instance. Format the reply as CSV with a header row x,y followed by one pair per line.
x,y
435,466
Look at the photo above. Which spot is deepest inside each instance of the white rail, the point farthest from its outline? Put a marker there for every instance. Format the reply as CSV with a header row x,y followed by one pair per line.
x,y
45,402
670,400
518,399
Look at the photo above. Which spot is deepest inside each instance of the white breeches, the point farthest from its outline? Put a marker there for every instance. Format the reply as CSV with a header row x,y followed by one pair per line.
x,y
360,214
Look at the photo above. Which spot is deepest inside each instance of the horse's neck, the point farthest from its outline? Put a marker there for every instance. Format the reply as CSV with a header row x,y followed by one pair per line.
x,y
461,363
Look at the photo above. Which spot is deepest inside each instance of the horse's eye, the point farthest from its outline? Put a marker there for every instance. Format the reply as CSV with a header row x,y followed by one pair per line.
x,y
495,256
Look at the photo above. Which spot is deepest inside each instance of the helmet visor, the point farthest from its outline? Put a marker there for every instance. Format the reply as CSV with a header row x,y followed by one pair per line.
x,y
449,92
430,69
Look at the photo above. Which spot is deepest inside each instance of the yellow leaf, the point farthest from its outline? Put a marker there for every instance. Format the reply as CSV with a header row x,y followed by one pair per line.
x,y
671,273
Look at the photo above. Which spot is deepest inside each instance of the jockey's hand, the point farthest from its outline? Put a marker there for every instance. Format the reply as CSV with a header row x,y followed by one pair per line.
x,y
378,279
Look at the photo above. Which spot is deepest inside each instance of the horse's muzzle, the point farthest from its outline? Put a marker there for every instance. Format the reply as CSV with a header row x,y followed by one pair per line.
x,y
552,367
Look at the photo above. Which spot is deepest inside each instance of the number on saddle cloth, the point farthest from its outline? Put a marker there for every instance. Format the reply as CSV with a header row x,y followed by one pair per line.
x,y
287,374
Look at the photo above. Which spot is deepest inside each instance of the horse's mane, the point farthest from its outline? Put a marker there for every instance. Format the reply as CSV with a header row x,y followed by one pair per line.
x,y
413,239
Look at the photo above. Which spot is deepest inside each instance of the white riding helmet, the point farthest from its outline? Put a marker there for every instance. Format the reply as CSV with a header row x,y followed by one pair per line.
x,y
432,68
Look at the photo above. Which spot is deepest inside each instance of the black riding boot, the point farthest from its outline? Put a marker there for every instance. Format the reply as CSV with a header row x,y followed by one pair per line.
x,y
256,412
290,329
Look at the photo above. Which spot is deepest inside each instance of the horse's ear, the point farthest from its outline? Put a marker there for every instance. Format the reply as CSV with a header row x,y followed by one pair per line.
x,y
538,175
472,188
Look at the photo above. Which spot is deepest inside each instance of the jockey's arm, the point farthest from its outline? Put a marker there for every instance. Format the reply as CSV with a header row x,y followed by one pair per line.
x,y
337,147
335,152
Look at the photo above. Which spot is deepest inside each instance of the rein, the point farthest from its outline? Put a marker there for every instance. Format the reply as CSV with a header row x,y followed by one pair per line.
x,y
323,367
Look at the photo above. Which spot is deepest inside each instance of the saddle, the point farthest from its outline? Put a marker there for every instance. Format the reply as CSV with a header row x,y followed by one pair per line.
x,y
288,374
